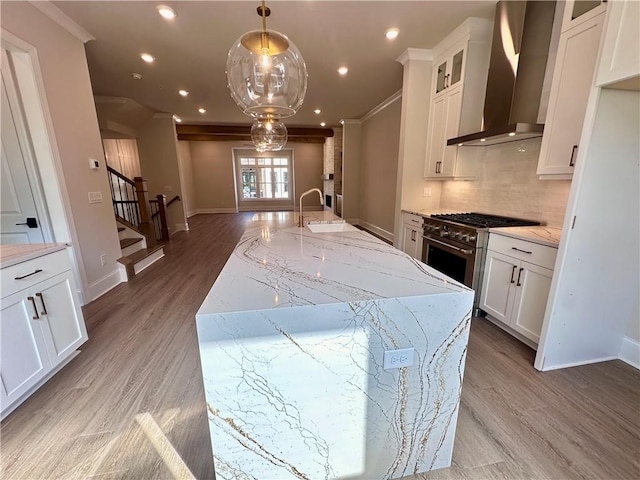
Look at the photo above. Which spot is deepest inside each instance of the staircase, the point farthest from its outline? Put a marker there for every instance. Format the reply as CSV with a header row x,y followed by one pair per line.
x,y
141,222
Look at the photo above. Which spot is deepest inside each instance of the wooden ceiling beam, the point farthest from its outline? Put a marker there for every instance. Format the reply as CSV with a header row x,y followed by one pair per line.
x,y
199,137
246,130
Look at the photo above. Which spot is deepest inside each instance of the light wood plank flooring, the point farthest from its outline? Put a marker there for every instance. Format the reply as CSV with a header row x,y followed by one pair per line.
x,y
142,357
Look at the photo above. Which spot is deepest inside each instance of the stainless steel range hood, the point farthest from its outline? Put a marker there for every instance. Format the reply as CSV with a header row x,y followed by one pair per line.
x,y
517,67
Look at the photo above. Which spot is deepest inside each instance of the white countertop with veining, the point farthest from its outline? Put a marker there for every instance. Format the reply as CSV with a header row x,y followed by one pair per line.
x,y
283,265
13,254
543,235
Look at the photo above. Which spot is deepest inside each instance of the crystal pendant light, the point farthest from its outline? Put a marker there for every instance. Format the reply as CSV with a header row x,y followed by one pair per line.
x,y
266,74
268,134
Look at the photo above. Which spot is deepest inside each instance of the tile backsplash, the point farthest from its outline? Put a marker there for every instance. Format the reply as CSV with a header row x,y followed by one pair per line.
x,y
506,184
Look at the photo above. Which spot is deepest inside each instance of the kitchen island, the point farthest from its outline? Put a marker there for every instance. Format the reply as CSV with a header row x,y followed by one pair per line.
x,y
292,340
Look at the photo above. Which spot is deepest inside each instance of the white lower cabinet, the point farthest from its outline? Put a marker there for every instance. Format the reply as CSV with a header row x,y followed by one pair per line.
x,y
41,325
515,290
412,235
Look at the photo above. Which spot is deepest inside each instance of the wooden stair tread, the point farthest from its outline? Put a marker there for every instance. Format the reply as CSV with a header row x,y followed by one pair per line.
x,y
121,229
140,254
126,242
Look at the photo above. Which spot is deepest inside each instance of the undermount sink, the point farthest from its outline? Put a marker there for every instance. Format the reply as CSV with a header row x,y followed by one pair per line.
x,y
331,227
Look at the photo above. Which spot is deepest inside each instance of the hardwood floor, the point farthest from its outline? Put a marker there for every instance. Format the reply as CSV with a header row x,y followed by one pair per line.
x,y
142,357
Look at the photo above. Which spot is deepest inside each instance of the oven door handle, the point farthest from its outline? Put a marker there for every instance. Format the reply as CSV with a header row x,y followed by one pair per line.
x,y
453,247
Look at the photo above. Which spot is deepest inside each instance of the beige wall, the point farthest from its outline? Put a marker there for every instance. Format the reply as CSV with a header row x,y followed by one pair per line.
x,y
76,139
351,169
158,151
506,184
380,141
186,175
213,173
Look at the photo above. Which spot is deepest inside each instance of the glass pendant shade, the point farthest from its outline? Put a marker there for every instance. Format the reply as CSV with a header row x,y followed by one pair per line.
x,y
268,134
266,75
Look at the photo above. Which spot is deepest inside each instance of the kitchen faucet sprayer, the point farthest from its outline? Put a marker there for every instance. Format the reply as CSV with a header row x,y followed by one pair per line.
x,y
301,221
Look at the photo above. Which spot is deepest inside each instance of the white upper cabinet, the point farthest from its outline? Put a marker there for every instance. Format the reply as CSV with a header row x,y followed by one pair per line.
x,y
620,56
572,80
578,11
459,82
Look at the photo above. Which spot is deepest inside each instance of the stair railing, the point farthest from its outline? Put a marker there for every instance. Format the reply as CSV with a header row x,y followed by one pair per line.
x,y
124,197
159,215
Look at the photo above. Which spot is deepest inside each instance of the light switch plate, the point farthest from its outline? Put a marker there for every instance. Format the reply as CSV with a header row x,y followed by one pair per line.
x,y
95,197
398,358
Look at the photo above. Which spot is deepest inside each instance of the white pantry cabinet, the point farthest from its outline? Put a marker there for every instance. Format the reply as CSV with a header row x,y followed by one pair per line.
x,y
572,79
620,56
578,11
41,325
515,288
459,81
412,235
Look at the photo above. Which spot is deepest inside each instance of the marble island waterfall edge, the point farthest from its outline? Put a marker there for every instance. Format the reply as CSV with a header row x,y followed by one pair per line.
x,y
297,389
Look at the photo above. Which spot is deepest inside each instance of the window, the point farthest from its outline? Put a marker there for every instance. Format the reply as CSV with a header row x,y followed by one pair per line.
x,y
265,177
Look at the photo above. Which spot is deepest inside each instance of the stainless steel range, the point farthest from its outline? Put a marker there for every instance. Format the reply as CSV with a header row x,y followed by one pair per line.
x,y
455,244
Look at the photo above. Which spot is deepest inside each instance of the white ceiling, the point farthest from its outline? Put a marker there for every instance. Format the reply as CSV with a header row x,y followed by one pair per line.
x,y
191,50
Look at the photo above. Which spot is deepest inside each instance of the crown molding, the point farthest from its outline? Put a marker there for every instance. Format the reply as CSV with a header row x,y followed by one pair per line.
x,y
415,54
61,18
384,104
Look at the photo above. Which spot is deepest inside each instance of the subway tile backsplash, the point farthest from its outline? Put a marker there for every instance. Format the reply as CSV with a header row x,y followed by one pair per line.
x,y
506,184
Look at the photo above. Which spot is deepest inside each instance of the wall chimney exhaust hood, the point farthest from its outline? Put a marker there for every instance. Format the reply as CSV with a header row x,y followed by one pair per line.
x,y
517,67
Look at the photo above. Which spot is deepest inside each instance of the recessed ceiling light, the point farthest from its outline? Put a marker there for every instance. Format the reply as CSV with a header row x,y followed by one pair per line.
x,y
317,111
512,134
323,124
136,76
483,139
391,33
167,12
147,57
343,70
184,93
202,110
177,118
341,122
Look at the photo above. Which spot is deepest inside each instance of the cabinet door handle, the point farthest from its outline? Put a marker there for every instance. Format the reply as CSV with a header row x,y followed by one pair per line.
x,y
35,309
513,272
28,274
572,161
518,284
523,251
44,307
446,80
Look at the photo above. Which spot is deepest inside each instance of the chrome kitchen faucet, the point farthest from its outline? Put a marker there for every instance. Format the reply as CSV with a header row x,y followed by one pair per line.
x,y
301,221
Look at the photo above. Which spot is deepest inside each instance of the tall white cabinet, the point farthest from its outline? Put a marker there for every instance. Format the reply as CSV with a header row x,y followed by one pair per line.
x,y
596,282
458,87
41,324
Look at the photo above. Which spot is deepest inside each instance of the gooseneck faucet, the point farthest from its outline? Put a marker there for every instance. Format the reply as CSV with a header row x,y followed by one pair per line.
x,y
300,221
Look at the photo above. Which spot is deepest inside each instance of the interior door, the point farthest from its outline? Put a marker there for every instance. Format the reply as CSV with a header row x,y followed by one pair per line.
x,y
18,215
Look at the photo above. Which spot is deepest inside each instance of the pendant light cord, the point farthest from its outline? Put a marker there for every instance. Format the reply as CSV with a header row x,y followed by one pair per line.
x,y
264,17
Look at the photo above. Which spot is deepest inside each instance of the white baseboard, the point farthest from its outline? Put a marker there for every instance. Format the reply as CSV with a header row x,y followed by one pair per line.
x,y
546,368
122,270
191,213
377,230
215,210
142,264
180,227
630,352
352,221
103,285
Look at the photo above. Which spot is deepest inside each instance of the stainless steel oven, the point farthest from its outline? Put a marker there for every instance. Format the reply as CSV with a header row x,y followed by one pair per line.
x,y
455,261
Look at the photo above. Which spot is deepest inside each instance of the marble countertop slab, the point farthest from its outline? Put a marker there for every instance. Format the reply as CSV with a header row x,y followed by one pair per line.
x,y
283,265
544,235
14,254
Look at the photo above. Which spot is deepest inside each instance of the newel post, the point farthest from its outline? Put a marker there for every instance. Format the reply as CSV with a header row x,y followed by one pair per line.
x,y
162,211
145,217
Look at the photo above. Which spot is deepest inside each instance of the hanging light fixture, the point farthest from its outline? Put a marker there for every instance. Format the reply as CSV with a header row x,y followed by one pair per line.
x,y
268,134
266,74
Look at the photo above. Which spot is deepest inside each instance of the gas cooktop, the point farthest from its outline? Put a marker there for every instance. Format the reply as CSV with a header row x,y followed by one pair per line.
x,y
483,220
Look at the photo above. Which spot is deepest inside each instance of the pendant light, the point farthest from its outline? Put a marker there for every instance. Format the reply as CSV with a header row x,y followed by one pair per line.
x,y
268,134
266,74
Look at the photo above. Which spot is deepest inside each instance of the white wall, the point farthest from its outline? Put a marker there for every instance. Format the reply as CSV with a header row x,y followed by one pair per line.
x,y
158,151
76,139
351,169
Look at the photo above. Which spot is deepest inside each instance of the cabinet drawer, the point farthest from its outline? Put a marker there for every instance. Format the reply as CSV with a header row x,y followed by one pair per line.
x,y
51,264
535,253
412,219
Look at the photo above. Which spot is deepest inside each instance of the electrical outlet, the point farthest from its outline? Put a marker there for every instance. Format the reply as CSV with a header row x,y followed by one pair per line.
x,y
95,197
103,259
426,192
398,358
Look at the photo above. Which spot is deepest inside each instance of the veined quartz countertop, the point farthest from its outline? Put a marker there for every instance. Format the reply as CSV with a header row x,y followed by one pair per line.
x,y
549,236
13,254
283,265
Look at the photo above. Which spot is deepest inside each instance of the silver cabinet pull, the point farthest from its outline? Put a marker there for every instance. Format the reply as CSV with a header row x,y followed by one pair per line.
x,y
44,307
523,251
572,162
518,284
513,273
35,309
28,274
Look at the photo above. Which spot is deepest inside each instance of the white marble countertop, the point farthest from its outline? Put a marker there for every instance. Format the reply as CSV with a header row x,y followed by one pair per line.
x,y
544,235
277,265
13,254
